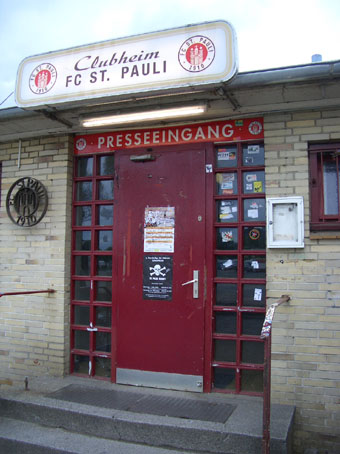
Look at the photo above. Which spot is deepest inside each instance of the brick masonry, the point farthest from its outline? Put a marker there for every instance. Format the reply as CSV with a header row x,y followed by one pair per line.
x,y
306,331
34,329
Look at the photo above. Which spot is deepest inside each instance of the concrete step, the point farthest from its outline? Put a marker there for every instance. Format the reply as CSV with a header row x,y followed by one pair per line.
x,y
240,433
20,437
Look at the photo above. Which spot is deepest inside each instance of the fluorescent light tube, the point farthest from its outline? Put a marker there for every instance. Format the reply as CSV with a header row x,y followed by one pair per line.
x,y
143,116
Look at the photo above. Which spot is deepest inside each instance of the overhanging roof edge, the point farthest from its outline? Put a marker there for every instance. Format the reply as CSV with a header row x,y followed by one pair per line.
x,y
290,74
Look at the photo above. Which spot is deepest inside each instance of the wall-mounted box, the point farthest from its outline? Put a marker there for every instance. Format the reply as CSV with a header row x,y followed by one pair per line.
x,y
285,222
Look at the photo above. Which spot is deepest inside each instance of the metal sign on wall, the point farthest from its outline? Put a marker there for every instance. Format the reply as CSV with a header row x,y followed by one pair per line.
x,y
26,202
217,131
191,55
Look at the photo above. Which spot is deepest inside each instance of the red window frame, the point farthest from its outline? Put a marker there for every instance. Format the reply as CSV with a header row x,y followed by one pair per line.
x,y
238,365
91,355
318,155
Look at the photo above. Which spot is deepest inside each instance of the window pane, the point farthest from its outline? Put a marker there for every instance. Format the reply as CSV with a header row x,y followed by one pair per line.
x,y
252,380
82,265
104,291
254,238
105,190
227,211
254,210
81,364
226,183
104,265
225,322
330,188
103,342
85,166
226,157
253,155
102,367
254,295
254,266
82,340
226,266
103,316
82,290
81,315
84,191
252,323
105,215
105,240
224,378
225,350
83,241
83,216
106,165
252,352
226,238
226,295
253,182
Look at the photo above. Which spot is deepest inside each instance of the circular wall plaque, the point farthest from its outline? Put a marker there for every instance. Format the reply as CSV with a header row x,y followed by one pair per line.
x,y
26,202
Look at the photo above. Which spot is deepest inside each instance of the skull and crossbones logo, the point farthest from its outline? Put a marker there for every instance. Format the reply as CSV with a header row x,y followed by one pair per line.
x,y
157,270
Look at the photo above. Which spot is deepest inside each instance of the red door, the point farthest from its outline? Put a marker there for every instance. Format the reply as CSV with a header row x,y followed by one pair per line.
x,y
160,321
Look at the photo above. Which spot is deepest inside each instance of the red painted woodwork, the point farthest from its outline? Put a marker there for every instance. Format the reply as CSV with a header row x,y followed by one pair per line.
x,y
157,335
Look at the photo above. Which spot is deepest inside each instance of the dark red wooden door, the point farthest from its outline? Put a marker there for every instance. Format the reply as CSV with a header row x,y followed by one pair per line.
x,y
160,329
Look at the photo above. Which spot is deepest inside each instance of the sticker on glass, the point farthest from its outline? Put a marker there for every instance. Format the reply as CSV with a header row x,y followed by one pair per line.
x,y
258,294
224,155
251,177
227,236
254,234
253,149
258,186
226,210
253,214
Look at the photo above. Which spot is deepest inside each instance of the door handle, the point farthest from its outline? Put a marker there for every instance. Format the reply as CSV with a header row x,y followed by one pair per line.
x,y
193,281
189,282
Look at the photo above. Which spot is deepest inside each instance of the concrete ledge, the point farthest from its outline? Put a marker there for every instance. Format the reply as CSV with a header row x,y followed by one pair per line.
x,y
242,432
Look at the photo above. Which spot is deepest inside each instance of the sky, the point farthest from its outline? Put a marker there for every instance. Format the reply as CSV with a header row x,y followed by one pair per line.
x,y
270,33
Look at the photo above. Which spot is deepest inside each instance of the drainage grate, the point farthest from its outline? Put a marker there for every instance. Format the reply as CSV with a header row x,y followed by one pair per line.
x,y
144,403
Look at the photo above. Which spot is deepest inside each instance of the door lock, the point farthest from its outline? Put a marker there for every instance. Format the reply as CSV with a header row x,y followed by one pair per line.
x,y
193,281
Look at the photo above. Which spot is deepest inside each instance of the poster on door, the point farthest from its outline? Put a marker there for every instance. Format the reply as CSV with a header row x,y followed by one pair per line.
x,y
157,277
159,229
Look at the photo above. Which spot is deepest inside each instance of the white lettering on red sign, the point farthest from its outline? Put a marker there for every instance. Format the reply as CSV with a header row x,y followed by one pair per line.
x,y
218,131
165,136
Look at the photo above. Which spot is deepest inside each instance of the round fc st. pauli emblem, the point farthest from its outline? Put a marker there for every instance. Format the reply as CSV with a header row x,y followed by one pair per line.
x,y
196,53
26,202
81,144
254,234
42,78
255,128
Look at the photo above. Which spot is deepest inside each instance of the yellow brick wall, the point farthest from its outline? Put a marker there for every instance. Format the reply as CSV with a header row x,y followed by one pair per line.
x,y
306,331
34,329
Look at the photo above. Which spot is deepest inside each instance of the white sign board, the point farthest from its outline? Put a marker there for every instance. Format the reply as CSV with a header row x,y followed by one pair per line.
x,y
285,222
192,55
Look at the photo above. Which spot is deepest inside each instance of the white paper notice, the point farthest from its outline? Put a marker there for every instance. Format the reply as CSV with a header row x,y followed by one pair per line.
x,y
255,265
254,213
159,229
258,294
